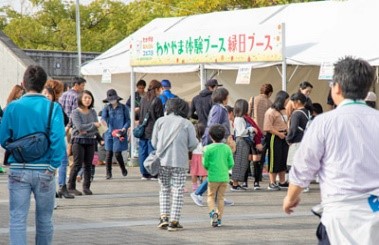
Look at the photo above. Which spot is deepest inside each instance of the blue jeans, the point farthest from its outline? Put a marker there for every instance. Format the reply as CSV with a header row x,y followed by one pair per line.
x,y
202,188
144,149
21,183
62,171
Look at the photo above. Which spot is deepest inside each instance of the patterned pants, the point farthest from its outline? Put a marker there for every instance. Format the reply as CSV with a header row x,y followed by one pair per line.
x,y
172,181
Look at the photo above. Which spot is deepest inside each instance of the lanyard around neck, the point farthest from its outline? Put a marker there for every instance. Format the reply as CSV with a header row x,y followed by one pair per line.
x,y
354,103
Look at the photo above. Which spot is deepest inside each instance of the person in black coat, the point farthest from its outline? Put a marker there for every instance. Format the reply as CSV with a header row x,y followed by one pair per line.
x,y
202,103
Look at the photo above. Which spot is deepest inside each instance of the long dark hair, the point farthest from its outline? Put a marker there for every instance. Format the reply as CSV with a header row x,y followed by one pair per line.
x,y
153,85
240,108
280,100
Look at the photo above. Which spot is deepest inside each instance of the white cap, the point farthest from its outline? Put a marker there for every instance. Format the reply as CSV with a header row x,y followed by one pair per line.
x,y
371,96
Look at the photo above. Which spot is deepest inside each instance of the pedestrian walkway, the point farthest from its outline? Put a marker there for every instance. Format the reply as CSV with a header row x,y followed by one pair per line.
x,y
126,211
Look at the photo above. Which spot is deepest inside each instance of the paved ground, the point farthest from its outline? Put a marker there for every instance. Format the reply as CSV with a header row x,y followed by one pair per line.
x,y
126,211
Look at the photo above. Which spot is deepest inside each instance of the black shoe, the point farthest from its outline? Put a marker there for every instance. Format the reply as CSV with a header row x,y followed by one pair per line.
x,y
257,186
63,192
75,192
124,172
87,192
163,223
237,188
174,226
284,185
109,176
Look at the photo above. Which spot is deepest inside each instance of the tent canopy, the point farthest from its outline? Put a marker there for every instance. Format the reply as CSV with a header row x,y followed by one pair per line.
x,y
312,29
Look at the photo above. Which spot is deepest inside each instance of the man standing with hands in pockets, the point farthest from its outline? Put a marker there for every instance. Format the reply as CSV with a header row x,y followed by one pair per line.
x,y
341,147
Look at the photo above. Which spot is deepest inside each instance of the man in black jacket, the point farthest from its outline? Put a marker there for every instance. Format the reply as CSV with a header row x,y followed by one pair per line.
x,y
202,103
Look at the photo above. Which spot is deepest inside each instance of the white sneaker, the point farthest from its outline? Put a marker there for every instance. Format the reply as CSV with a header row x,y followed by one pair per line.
x,y
228,202
197,199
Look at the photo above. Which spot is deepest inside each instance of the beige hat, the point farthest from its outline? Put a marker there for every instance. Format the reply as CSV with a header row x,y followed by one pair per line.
x,y
371,96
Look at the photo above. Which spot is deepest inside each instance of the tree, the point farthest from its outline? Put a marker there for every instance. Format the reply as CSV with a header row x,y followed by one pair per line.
x,y
103,22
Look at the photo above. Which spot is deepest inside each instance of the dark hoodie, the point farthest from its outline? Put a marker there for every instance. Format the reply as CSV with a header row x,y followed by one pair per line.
x,y
201,105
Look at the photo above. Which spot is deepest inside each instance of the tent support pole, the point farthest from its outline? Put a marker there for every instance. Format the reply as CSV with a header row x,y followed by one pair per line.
x,y
284,62
203,76
293,73
132,110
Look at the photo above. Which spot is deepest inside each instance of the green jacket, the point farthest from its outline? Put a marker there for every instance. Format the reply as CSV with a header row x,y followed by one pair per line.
x,y
218,160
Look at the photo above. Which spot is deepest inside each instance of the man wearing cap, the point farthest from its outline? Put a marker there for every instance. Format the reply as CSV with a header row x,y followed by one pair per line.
x,y
117,119
202,103
166,94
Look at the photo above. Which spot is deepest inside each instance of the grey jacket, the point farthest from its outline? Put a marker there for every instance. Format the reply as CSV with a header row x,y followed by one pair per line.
x,y
83,124
176,155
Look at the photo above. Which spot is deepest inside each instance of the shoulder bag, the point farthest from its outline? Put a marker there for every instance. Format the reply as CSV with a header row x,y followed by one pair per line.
x,y
33,146
152,163
139,131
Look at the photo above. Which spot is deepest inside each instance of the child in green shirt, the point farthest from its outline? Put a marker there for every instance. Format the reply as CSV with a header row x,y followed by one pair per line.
x,y
218,160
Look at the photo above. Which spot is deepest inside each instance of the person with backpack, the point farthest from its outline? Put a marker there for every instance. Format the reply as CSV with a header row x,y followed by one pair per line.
x,y
116,117
26,116
299,121
305,88
166,92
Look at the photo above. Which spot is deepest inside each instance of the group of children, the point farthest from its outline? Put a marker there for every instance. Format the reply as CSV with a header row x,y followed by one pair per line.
x,y
216,160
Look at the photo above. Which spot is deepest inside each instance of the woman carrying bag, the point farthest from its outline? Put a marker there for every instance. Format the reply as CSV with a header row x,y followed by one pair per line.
x,y
174,159
151,104
117,119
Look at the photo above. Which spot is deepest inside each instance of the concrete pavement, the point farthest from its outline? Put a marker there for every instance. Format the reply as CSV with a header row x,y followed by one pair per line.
x,y
126,211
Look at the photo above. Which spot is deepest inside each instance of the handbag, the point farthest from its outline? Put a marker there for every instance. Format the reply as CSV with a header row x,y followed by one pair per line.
x,y
139,131
32,146
152,163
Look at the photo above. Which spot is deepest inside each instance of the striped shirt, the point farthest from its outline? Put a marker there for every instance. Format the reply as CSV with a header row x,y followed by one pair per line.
x,y
342,147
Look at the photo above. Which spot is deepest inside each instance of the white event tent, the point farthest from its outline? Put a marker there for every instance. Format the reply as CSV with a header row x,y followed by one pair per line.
x,y
315,32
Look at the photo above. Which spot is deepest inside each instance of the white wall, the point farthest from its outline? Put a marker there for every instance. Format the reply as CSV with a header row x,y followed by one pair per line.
x,y
11,72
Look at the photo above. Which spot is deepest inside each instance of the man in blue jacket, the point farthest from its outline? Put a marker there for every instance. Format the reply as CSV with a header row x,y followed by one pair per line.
x,y
166,94
22,117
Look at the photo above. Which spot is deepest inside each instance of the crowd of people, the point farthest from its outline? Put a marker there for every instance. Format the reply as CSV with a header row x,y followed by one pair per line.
x,y
221,145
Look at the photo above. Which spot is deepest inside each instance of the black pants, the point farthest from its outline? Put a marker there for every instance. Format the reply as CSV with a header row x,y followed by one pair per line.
x,y
118,155
263,156
322,236
83,156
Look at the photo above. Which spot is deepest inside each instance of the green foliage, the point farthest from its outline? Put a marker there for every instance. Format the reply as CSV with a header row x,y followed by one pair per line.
x,y
103,22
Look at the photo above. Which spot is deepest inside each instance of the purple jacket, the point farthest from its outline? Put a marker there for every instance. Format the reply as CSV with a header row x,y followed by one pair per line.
x,y
218,114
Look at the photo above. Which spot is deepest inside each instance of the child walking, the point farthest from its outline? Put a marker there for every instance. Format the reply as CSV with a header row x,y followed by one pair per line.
x,y
197,169
218,160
